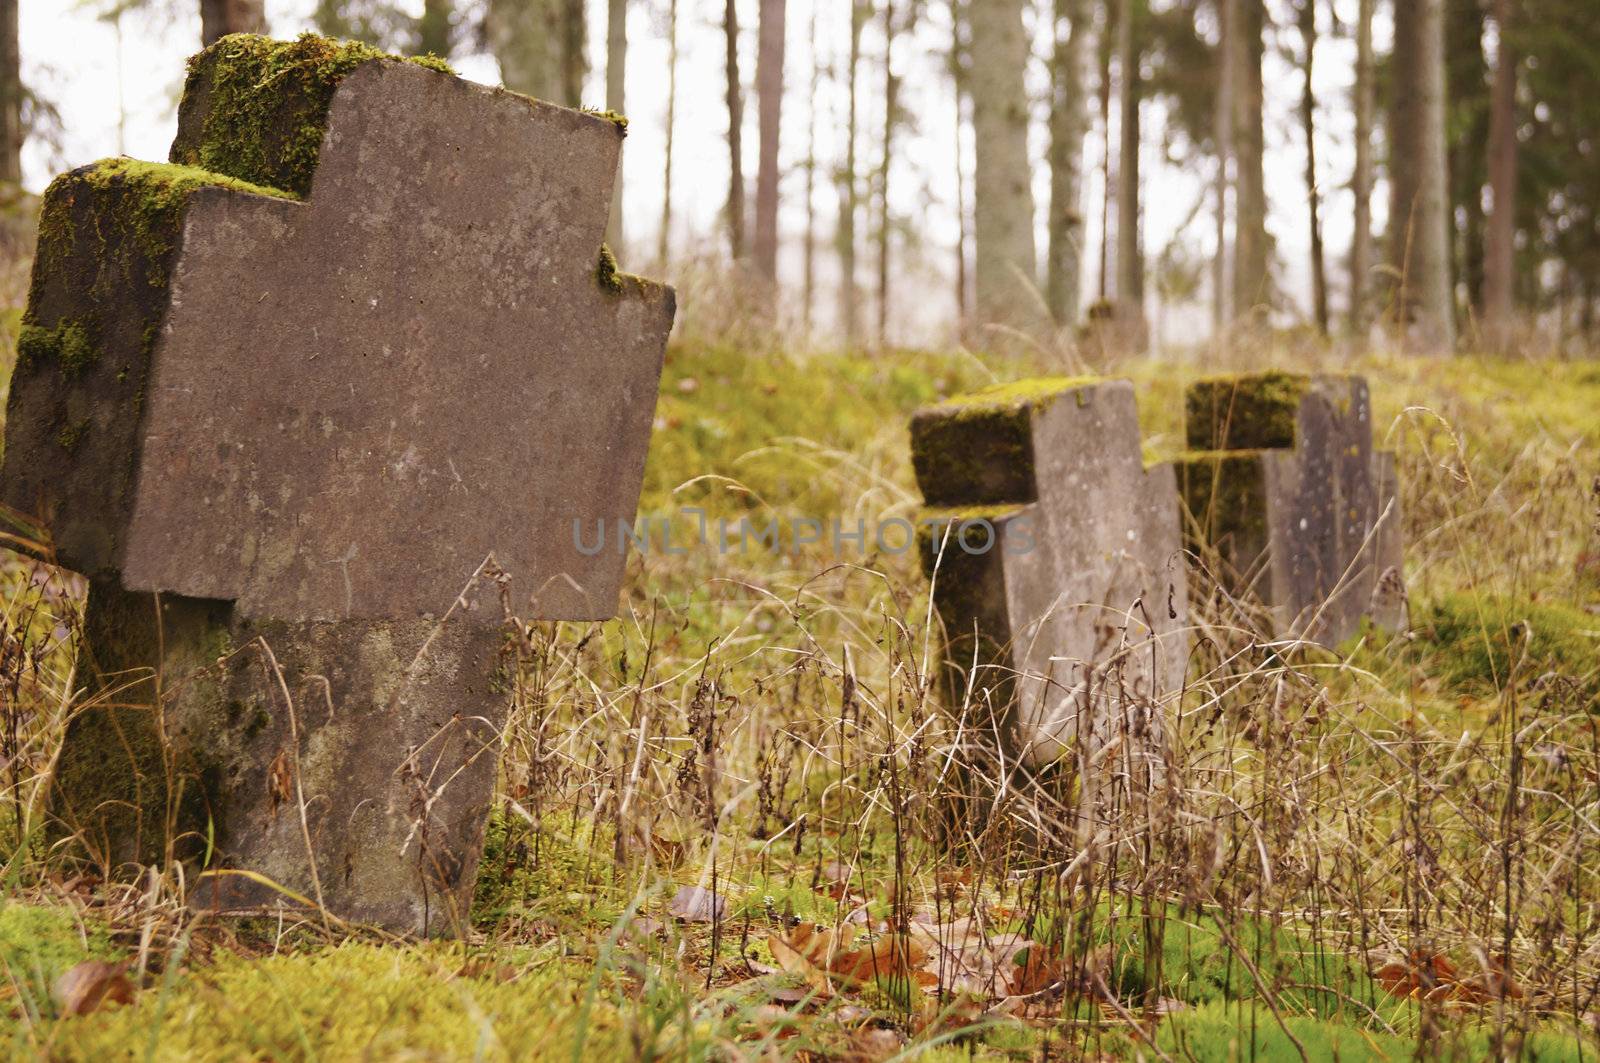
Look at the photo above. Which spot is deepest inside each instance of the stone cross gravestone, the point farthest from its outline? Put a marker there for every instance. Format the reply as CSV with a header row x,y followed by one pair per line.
x,y
1303,513
313,407
1057,560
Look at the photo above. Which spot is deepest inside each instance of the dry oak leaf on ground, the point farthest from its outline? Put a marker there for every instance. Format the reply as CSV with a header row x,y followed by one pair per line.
x,y
92,983
696,904
1432,976
825,958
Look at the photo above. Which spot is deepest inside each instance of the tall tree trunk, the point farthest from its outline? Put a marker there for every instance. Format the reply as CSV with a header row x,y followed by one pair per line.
x,y
1003,189
1227,30
663,248
218,18
1069,121
1419,226
1252,250
769,104
574,53
809,284
616,102
539,45
1499,253
845,234
1361,177
1130,253
959,66
891,86
435,29
735,98
1308,125
1466,70
1106,155
10,95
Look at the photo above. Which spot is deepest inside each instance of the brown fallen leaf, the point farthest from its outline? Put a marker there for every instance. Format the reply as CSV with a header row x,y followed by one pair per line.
x,y
669,841
822,956
834,873
1033,970
92,983
873,1045
280,781
777,1020
642,929
479,967
695,904
1423,975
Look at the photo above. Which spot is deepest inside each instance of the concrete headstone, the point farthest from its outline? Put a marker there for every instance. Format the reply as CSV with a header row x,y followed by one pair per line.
x,y
332,388
1284,483
1061,574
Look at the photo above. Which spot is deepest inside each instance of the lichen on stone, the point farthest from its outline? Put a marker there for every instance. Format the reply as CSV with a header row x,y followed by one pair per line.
x,y
606,273
1245,411
68,345
977,449
160,193
1225,503
616,119
1032,391
70,434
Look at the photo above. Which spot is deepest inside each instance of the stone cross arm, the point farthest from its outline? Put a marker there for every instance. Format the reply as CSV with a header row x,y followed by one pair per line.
x,y
359,336
1055,553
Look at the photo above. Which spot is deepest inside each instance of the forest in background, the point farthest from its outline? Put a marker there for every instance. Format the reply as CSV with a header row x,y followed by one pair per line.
x,y
1471,104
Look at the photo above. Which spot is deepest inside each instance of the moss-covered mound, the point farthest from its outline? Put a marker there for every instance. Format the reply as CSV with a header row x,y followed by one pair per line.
x,y
1480,643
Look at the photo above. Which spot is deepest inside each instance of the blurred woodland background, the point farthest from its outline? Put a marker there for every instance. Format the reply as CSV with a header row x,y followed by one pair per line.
x,y
1136,172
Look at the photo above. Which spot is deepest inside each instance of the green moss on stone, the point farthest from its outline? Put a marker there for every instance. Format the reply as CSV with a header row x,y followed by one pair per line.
x,y
607,273
1246,411
977,449
1225,502
160,191
1015,394
969,594
72,433
256,109
432,62
69,345
618,120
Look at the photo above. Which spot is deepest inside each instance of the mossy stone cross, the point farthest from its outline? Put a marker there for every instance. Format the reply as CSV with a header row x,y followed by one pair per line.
x,y
335,383
1057,563
1292,504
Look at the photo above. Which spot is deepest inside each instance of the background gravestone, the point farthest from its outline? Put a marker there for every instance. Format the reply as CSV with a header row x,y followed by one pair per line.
x,y
1283,482
334,385
1076,604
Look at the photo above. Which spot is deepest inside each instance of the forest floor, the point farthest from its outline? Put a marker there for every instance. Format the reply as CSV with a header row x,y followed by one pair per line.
x,y
1386,852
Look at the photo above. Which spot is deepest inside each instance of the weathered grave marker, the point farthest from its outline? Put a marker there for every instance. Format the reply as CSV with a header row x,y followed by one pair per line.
x,y
1284,483
303,384
1061,576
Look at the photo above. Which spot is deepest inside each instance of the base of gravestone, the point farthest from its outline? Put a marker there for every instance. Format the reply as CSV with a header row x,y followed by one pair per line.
x,y
346,765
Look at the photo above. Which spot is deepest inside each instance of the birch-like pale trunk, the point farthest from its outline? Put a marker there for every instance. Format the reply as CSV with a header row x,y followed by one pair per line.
x,y
1005,264
1308,128
1069,124
616,102
735,101
769,114
1361,177
1252,291
1499,251
1419,223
